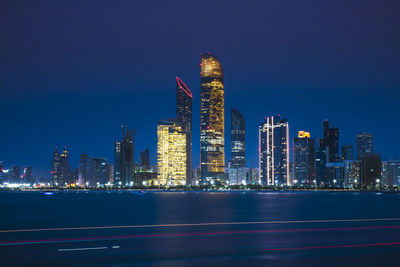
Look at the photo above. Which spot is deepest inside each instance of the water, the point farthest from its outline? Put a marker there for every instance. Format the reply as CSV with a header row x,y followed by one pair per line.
x,y
221,244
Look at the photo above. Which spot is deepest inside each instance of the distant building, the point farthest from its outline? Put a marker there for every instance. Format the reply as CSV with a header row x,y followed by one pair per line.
x,y
145,159
391,173
371,170
55,169
253,178
117,163
237,176
82,167
238,146
364,145
320,166
273,146
97,172
304,159
352,173
28,176
335,173
212,120
171,153
347,152
124,167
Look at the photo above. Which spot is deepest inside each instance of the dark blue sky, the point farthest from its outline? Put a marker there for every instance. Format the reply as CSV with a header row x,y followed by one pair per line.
x,y
72,71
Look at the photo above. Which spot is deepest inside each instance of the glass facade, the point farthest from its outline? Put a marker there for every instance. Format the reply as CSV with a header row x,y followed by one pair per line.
x,y
237,139
304,159
212,120
364,145
273,148
171,153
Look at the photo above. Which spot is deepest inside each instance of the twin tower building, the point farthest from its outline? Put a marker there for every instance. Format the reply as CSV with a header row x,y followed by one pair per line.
x,y
174,136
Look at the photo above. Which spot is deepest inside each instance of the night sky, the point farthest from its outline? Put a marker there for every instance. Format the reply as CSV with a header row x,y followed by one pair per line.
x,y
71,72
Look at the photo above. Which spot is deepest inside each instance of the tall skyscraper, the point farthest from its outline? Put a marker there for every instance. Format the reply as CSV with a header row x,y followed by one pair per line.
x,y
212,120
82,177
184,117
15,174
127,157
237,139
64,171
347,152
330,143
28,176
97,172
352,173
55,169
117,163
364,145
304,158
320,163
171,153
145,159
273,136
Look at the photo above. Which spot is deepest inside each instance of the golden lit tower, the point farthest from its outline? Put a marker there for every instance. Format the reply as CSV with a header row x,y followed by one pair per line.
x,y
171,153
212,119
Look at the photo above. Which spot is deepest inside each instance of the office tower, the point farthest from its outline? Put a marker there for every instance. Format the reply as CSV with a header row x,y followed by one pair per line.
x,y
273,136
212,119
320,164
82,169
335,173
371,170
364,145
347,152
28,176
352,173
237,176
330,143
117,163
184,117
97,172
55,169
171,153
391,173
124,159
304,159
145,159
237,139
64,169
253,177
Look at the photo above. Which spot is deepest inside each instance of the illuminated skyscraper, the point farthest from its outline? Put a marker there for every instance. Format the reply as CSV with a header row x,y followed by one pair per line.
x,y
364,145
304,158
117,163
28,176
237,139
127,157
273,148
55,169
184,117
212,119
391,172
171,153
330,143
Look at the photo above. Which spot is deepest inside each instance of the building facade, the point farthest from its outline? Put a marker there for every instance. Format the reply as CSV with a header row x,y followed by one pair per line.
x,y
304,159
347,152
391,173
364,145
212,120
273,136
238,145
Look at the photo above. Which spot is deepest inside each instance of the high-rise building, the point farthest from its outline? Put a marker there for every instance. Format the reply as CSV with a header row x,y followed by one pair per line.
x,y
184,117
117,163
330,143
371,170
335,173
124,166
391,173
82,177
320,164
55,169
212,120
347,152
237,139
15,174
304,158
28,176
364,145
273,136
171,153
145,159
97,172
64,169
352,173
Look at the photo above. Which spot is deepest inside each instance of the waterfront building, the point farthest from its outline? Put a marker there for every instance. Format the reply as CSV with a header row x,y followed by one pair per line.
x,y
28,176
371,170
212,120
117,163
391,173
253,178
55,169
335,173
320,166
82,169
145,159
171,153
304,159
97,172
352,173
273,136
238,145
364,145
184,117
347,152
124,167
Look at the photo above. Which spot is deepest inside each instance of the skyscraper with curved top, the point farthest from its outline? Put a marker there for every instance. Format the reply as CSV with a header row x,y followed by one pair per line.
x,y
212,119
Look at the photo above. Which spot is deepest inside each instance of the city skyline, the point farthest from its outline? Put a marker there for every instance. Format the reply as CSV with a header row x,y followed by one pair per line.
x,y
78,94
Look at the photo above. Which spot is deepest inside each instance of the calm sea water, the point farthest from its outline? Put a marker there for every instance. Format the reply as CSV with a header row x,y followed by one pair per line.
x,y
201,245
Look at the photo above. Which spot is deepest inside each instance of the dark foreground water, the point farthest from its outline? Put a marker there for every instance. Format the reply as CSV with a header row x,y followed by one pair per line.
x,y
198,229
